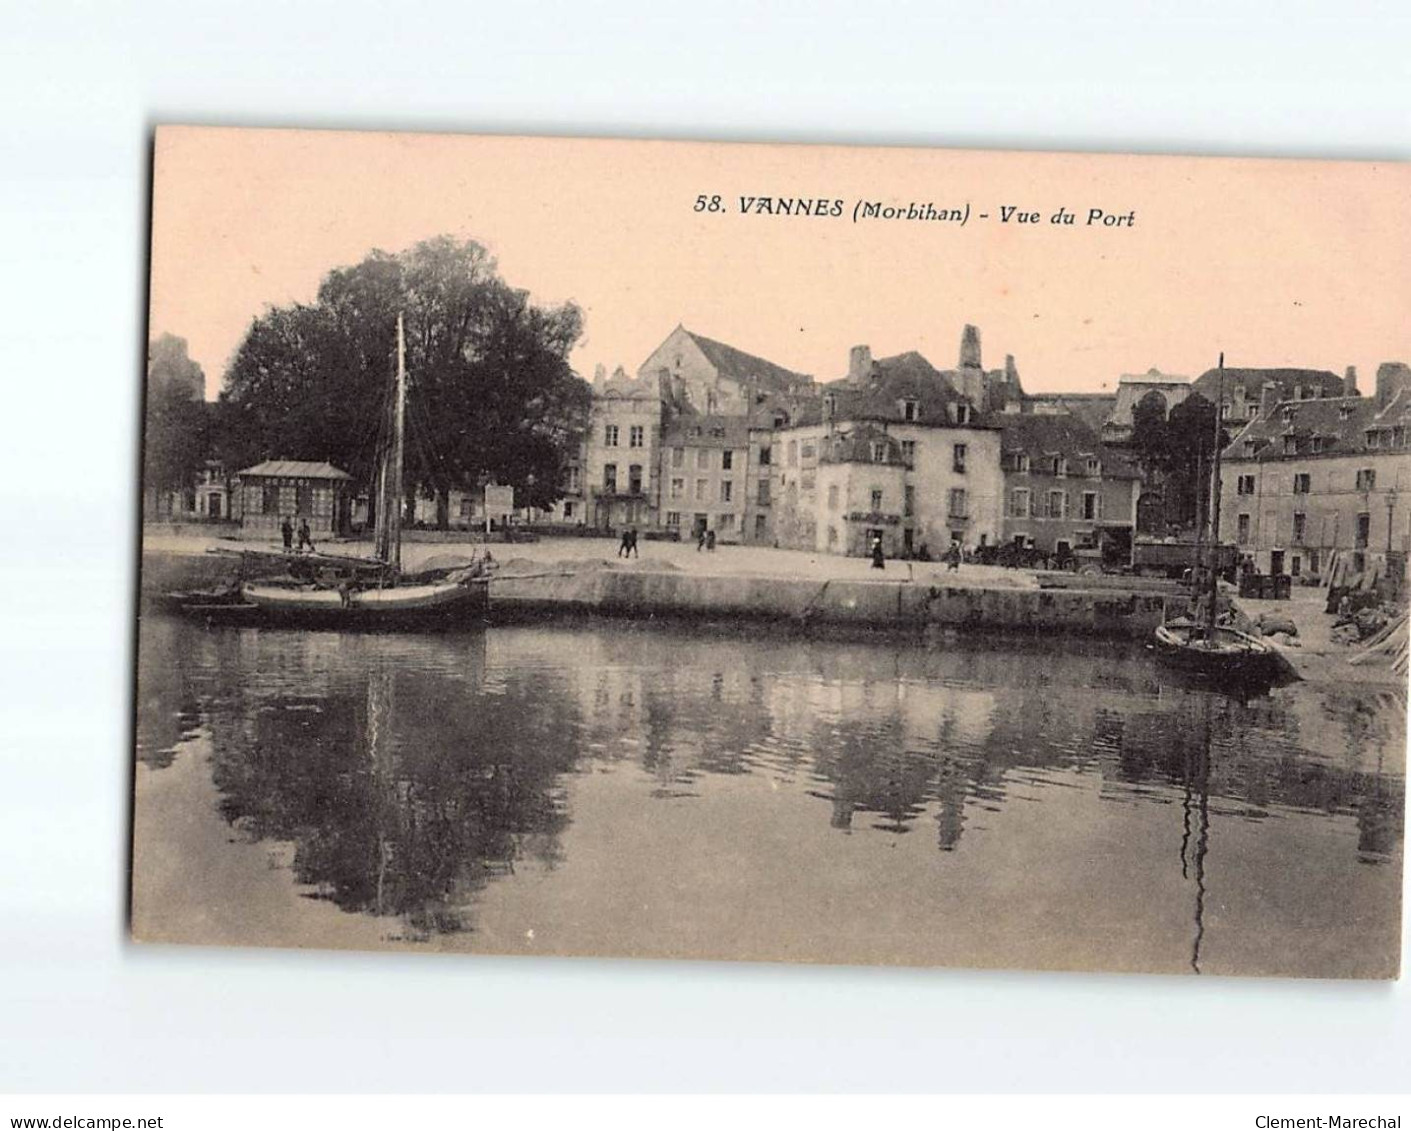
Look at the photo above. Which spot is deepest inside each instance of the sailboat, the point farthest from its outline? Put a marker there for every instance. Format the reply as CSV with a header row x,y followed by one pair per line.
x,y
375,592
1201,644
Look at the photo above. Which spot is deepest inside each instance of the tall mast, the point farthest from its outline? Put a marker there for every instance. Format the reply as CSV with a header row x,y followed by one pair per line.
x,y
398,452
1215,500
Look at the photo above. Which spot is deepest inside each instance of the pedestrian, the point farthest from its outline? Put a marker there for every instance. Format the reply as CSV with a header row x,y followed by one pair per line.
x,y
953,557
878,560
287,529
625,545
710,541
305,537
700,538
632,543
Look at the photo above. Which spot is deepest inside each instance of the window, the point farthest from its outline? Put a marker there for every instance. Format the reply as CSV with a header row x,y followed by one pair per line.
x,y
1290,445
467,512
678,457
1288,414
908,502
304,499
727,460
833,497
876,500
567,510
1249,447
1021,461
764,455
1364,530
879,451
610,478
806,479
1244,485
610,436
830,405
1302,483
908,452
1057,504
1366,479
962,414
727,489
1299,523
1060,466
1312,561
958,453
763,494
701,487
703,459
908,410
1090,506
1374,438
959,503
759,527
1297,564
793,453
678,488
718,433
673,518
575,479
1019,503
808,452
1318,444
634,436
725,522
1094,467
269,499
832,536
1242,529
634,479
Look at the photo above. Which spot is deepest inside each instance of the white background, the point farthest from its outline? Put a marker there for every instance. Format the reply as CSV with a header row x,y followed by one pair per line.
x,y
82,85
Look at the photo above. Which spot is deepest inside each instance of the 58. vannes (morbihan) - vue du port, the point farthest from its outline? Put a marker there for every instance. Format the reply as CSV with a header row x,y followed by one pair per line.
x,y
445,645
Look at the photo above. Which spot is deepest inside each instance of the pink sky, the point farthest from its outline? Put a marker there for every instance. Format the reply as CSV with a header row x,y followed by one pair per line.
x,y
1273,262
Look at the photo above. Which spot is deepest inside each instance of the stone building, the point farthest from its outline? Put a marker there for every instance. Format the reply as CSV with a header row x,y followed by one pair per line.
x,y
702,375
893,450
620,454
1246,389
1315,480
1064,489
706,475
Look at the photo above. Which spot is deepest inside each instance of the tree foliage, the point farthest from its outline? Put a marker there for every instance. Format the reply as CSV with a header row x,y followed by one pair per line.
x,y
490,393
1177,451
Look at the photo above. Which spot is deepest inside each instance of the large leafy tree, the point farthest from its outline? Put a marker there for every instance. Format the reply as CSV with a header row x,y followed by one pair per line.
x,y
1177,451
490,392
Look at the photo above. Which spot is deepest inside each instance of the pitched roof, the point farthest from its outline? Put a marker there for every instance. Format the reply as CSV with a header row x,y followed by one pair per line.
x,y
1340,423
1252,380
740,366
698,430
882,395
855,446
1040,434
1092,409
296,469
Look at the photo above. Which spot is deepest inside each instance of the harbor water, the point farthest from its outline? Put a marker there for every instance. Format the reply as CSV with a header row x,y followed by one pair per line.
x,y
619,789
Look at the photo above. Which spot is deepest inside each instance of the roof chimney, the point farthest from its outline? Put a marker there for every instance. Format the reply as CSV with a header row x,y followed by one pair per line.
x,y
1268,397
1349,382
859,363
970,348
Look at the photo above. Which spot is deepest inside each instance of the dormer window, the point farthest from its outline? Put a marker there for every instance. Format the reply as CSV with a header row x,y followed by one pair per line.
x,y
1344,411
1317,443
879,451
1060,466
830,404
1290,445
1288,414
1094,467
1021,461
910,410
1374,438
1249,447
962,414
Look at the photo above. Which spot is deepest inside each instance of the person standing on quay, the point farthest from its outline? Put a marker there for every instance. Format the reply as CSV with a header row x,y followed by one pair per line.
x,y
287,529
710,541
878,560
306,538
625,545
632,543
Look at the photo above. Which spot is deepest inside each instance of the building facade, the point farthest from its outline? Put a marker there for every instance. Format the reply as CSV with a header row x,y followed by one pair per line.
x,y
621,454
1064,490
894,451
1312,482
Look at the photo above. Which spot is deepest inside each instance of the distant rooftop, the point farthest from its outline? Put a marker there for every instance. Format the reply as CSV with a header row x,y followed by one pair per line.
x,y
296,469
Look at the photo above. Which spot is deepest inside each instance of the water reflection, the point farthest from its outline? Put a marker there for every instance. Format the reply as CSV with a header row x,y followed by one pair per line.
x,y
410,774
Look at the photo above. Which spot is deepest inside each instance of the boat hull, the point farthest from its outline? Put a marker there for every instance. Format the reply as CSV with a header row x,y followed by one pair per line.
x,y
1234,656
435,605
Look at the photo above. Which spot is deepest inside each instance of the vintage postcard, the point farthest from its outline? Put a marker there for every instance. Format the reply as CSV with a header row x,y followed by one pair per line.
x,y
774,553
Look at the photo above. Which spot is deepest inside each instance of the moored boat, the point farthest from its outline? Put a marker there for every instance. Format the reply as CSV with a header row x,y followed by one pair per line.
x,y
1222,653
